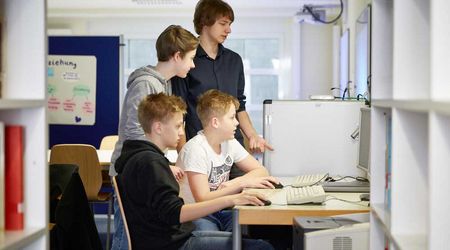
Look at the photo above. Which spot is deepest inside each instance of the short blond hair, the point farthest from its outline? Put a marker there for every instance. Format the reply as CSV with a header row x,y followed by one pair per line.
x,y
175,39
159,107
214,103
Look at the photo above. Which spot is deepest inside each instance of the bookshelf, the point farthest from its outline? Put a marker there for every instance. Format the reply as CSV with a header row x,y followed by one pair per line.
x,y
23,102
411,85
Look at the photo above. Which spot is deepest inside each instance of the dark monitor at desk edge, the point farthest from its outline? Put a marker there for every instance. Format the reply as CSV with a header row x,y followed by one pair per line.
x,y
364,140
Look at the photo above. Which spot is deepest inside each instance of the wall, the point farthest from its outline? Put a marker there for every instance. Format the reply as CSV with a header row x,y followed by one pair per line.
x,y
316,59
306,58
354,9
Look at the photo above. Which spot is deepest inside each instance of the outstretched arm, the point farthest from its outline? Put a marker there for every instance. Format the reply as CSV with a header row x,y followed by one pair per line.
x,y
256,175
256,143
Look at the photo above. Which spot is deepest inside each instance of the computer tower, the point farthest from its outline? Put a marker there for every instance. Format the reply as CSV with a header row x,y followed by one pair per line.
x,y
333,233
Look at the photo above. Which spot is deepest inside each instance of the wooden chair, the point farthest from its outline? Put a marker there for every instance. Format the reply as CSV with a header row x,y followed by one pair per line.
x,y
108,142
122,211
85,157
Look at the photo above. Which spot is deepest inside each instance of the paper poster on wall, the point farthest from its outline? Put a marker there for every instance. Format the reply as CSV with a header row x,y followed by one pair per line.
x,y
71,89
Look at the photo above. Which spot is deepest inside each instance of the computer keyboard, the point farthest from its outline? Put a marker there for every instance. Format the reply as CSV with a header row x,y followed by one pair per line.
x,y
309,194
308,180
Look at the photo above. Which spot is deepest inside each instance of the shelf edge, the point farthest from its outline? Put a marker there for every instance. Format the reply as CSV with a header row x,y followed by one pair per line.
x,y
439,107
29,236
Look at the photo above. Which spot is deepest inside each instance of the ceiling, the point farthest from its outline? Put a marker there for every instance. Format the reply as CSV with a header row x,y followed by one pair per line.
x,y
104,8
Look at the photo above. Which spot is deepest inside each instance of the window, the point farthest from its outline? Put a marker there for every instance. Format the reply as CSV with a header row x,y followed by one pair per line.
x,y
141,52
137,53
261,58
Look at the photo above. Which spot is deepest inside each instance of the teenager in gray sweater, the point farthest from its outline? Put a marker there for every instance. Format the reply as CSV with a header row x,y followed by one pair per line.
x,y
176,49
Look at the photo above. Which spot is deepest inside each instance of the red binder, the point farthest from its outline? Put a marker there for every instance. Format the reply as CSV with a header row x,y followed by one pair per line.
x,y
13,177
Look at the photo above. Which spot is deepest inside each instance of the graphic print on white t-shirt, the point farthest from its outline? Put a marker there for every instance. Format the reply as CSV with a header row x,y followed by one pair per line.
x,y
219,174
198,156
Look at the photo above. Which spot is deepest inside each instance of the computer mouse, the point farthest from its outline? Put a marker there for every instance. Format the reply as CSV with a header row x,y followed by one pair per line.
x,y
266,202
364,197
277,185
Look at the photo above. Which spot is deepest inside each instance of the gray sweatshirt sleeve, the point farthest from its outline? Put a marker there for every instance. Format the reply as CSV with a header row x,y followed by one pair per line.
x,y
132,129
129,126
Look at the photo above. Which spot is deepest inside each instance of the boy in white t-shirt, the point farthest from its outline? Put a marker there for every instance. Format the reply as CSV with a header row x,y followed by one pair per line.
x,y
207,159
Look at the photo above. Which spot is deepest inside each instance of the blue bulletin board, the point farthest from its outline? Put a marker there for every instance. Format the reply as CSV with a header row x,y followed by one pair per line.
x,y
106,51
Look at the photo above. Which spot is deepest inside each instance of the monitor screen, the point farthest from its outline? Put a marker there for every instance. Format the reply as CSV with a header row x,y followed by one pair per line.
x,y
362,53
364,140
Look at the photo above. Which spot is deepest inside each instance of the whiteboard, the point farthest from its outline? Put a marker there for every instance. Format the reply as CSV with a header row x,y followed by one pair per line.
x,y
311,137
71,89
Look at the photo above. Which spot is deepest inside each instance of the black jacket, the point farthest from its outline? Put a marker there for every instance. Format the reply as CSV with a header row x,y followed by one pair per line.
x,y
75,227
150,196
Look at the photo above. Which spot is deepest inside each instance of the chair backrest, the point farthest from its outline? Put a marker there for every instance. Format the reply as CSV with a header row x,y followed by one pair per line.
x,y
122,211
85,157
108,142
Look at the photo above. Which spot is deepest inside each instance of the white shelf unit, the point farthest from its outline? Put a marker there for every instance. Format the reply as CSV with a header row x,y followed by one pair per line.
x,y
411,84
23,102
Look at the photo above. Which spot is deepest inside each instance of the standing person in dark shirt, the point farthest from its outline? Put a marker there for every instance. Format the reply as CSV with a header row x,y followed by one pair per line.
x,y
157,217
216,68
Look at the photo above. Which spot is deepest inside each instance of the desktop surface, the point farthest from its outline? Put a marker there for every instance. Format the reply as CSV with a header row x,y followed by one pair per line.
x,y
284,214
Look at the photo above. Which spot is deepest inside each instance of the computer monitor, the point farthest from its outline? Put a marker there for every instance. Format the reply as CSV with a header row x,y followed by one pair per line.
x,y
364,140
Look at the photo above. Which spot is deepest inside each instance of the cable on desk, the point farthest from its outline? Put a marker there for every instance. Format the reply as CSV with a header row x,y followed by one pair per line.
x,y
321,179
358,178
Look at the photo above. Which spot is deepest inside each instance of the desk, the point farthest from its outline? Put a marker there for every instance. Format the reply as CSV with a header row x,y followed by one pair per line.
x,y
284,215
104,157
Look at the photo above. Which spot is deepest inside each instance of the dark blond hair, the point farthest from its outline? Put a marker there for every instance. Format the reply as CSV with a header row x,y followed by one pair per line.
x,y
159,107
175,39
214,103
208,11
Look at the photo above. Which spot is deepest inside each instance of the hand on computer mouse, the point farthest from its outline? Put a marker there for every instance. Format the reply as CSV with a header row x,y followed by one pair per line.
x,y
261,182
251,199
277,185
266,202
